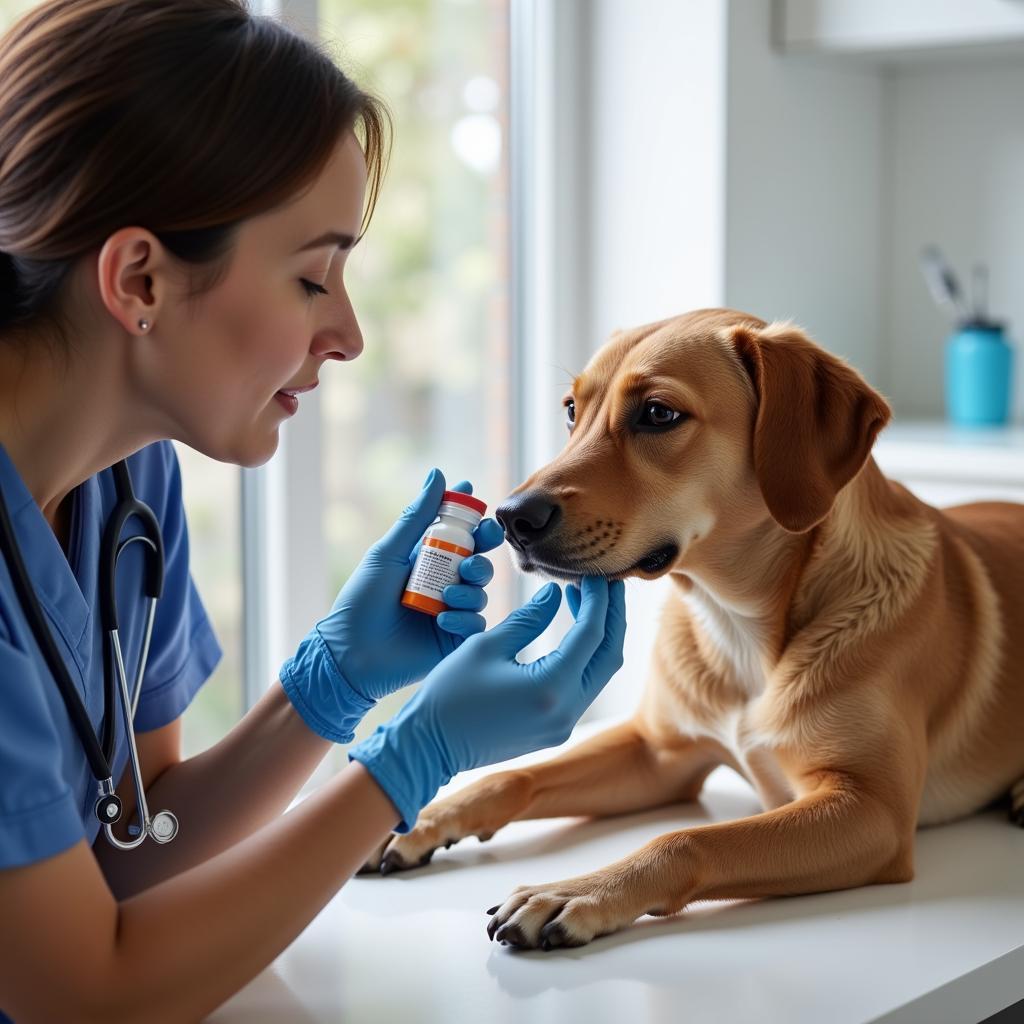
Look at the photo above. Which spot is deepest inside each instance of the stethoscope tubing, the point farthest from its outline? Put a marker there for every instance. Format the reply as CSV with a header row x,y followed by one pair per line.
x,y
163,826
98,762
112,546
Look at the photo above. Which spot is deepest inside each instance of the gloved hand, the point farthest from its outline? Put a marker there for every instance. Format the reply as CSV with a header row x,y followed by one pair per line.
x,y
481,706
370,644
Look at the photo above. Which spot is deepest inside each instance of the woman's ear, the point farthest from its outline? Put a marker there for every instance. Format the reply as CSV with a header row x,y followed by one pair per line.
x,y
817,419
129,275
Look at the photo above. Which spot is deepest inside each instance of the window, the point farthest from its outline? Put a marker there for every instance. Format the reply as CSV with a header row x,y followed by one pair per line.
x,y
428,282
211,493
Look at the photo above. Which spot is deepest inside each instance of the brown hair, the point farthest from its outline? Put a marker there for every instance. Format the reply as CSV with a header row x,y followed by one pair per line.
x,y
181,116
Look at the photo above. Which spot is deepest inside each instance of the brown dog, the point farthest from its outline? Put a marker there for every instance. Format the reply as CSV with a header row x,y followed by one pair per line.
x,y
853,652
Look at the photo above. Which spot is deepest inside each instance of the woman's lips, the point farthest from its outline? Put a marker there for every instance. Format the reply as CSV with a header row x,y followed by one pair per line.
x,y
288,397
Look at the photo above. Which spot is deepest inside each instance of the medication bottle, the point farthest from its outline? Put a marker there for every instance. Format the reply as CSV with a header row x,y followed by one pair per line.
x,y
447,542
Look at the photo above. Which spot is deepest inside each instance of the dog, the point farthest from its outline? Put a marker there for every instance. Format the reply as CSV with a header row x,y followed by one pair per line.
x,y
853,652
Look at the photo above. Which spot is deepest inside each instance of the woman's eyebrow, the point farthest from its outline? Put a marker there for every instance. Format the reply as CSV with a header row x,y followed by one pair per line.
x,y
342,241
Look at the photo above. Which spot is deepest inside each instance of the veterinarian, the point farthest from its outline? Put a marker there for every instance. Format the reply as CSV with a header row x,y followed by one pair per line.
x,y
180,185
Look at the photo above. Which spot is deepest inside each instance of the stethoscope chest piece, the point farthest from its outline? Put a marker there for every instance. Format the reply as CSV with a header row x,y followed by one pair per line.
x,y
108,809
161,828
164,827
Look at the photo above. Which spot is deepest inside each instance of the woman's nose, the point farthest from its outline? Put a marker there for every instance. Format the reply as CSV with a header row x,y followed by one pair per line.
x,y
333,344
339,337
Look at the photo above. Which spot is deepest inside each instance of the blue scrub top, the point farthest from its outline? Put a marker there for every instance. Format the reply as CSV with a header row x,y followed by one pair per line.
x,y
47,792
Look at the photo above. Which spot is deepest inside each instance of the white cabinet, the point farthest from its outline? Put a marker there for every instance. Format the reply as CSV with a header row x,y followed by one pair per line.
x,y
946,466
886,27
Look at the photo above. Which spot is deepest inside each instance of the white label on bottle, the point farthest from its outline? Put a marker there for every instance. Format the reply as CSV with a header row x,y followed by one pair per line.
x,y
433,570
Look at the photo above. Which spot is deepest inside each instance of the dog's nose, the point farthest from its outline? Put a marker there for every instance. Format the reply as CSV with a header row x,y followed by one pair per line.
x,y
526,518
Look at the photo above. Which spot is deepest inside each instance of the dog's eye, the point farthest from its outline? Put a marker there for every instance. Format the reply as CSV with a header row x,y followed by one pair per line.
x,y
657,415
570,412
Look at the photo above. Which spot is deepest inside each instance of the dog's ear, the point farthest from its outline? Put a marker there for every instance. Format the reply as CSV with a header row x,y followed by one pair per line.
x,y
817,419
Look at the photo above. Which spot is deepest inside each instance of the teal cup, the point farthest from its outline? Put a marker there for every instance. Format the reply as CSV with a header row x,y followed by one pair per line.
x,y
979,375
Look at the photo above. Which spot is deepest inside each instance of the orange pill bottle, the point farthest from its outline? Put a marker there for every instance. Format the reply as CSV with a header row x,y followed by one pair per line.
x,y
448,541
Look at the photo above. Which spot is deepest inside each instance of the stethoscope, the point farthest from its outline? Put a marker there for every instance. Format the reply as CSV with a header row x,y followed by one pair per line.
x,y
163,826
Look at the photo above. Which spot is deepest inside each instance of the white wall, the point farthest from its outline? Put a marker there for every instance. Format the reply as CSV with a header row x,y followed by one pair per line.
x,y
804,166
954,139
656,152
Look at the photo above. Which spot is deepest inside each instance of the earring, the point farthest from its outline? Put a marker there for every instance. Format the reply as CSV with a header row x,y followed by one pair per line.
x,y
144,324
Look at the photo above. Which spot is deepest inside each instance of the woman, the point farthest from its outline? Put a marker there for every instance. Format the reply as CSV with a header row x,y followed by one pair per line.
x,y
180,184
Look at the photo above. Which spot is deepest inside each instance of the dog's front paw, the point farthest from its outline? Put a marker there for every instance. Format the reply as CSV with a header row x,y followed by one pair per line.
x,y
401,852
436,827
569,913
478,810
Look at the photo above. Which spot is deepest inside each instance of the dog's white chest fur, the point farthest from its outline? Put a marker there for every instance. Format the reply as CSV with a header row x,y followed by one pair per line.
x,y
738,639
752,757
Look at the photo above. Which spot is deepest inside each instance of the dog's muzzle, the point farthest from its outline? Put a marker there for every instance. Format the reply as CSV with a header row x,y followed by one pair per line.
x,y
531,520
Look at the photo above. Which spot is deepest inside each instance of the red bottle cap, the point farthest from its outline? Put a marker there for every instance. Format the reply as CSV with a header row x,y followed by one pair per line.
x,y
465,499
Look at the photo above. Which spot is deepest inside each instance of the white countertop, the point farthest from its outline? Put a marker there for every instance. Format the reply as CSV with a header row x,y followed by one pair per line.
x,y
941,451
412,947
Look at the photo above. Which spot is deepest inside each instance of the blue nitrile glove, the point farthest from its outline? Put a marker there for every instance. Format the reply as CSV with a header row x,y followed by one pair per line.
x,y
481,706
370,644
